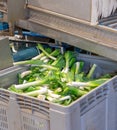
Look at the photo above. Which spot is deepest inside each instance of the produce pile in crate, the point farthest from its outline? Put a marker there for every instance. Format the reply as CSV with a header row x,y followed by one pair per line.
x,y
57,77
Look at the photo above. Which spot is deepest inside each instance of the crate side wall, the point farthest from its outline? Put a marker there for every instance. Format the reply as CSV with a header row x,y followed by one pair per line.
x,y
112,106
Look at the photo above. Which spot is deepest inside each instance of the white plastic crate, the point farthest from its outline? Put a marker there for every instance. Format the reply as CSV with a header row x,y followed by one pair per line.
x,y
90,112
8,112
84,114
6,60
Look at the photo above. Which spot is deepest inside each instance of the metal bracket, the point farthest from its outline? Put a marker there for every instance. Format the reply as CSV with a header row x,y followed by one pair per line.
x,y
5,54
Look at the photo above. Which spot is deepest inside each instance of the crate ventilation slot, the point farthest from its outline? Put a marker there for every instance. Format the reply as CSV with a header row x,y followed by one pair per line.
x,y
33,105
4,96
91,99
115,84
3,119
33,123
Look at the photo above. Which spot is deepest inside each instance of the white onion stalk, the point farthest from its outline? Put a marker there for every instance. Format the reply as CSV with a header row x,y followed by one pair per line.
x,y
43,58
53,95
25,81
46,60
25,73
48,67
65,70
51,99
43,69
26,85
41,97
77,84
91,71
37,92
13,48
50,91
65,98
38,56
92,83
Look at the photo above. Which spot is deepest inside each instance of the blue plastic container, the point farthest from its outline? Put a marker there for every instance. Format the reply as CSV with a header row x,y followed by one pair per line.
x,y
25,54
32,34
4,26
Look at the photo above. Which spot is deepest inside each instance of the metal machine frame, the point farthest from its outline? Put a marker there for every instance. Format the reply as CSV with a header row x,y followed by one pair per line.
x,y
95,38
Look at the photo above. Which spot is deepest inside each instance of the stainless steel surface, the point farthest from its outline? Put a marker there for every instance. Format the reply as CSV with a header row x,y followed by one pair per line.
x,y
65,24
97,39
12,10
16,10
5,54
77,8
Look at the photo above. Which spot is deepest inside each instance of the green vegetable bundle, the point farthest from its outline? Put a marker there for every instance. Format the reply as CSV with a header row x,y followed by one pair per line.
x,y
56,77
